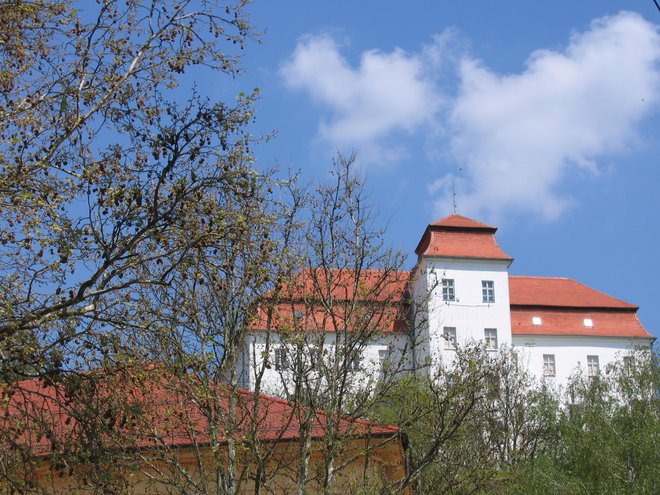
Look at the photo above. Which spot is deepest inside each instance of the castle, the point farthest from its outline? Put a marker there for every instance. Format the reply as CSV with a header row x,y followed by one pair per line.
x,y
462,292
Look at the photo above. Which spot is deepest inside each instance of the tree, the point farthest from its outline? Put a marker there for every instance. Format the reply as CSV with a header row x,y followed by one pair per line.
x,y
118,192
474,426
347,294
104,175
204,316
608,433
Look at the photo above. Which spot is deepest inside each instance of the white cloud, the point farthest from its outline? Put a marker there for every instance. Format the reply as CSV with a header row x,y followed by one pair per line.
x,y
519,136
387,92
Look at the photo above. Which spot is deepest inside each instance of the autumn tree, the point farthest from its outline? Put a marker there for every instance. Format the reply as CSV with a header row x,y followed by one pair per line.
x,y
203,318
104,171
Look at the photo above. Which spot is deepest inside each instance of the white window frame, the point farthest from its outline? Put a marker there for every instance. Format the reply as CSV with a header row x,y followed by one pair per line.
x,y
281,358
488,291
384,356
490,338
593,366
449,336
549,365
448,289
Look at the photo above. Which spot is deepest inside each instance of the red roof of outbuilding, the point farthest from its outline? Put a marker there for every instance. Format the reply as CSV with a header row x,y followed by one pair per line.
x,y
456,236
172,418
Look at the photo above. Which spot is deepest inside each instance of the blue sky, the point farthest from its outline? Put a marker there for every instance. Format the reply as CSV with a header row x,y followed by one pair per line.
x,y
544,115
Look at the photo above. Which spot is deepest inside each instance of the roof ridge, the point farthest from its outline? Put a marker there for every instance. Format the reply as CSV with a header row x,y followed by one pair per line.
x,y
460,221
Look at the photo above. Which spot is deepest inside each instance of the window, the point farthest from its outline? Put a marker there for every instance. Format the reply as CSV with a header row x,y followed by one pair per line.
x,y
488,291
314,358
592,366
281,358
490,337
384,357
548,365
448,293
353,362
449,335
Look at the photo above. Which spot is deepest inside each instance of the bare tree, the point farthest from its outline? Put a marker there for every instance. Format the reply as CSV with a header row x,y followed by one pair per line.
x,y
200,339
349,296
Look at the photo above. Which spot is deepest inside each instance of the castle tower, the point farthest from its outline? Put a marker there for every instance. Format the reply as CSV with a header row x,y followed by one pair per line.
x,y
461,290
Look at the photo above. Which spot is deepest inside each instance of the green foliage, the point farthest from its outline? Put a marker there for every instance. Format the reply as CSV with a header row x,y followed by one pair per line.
x,y
483,426
609,434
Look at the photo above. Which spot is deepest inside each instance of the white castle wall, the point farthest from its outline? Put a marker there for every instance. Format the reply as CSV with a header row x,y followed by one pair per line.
x,y
386,352
570,353
468,313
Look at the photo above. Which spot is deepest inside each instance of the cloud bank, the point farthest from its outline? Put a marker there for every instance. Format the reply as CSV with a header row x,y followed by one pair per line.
x,y
517,137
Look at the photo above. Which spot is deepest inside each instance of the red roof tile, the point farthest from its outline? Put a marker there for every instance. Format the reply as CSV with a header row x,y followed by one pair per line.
x,y
480,245
456,236
173,419
332,300
347,285
606,323
559,292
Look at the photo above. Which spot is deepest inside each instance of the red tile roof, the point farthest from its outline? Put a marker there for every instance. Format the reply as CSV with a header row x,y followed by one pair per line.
x,y
456,236
347,285
173,419
559,292
332,300
613,323
563,304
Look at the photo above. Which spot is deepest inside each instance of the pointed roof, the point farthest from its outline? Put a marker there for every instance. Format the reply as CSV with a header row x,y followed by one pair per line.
x,y
457,236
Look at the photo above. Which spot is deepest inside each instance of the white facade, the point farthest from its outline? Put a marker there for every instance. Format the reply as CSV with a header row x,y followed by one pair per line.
x,y
476,309
269,358
569,355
